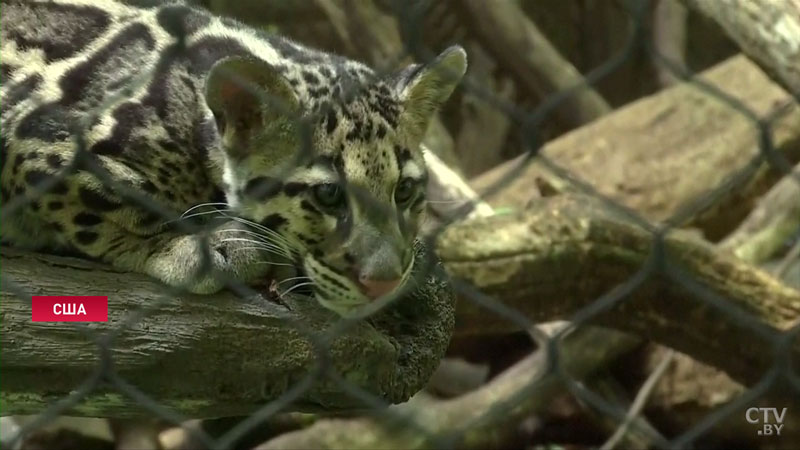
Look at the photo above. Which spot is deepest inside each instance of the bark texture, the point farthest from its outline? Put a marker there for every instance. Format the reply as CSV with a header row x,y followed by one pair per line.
x,y
681,151
206,356
767,31
565,254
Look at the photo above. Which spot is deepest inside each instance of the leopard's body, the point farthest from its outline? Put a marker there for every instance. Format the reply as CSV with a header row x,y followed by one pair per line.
x,y
108,110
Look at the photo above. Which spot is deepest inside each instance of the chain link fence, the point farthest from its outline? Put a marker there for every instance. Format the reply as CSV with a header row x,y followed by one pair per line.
x,y
528,122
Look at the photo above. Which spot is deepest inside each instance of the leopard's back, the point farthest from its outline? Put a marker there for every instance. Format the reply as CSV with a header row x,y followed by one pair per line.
x,y
78,76
129,82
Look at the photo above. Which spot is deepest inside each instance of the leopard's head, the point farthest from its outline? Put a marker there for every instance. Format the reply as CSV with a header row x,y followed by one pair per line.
x,y
335,184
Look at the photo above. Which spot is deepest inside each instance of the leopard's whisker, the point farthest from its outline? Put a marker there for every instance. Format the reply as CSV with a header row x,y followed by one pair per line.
x,y
302,277
197,214
272,263
249,232
266,231
203,205
260,241
444,202
272,234
295,287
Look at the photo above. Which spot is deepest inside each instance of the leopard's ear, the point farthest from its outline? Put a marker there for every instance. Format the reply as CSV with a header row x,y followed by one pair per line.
x,y
248,96
423,88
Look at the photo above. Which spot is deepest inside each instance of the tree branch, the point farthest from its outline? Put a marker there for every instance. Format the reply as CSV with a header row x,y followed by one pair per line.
x,y
766,30
773,222
566,252
538,68
669,38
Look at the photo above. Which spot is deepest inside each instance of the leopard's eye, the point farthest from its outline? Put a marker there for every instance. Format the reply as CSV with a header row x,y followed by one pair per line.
x,y
329,195
404,190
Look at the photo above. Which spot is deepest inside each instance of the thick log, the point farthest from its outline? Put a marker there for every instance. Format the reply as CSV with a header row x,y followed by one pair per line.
x,y
205,356
565,254
667,152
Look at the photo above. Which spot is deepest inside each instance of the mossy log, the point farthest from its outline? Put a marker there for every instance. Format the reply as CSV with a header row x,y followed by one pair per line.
x,y
205,356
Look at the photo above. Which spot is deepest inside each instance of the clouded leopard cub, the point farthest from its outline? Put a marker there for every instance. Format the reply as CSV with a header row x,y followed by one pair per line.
x,y
313,158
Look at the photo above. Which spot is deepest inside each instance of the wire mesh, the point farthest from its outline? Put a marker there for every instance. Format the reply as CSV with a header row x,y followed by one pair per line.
x,y
529,122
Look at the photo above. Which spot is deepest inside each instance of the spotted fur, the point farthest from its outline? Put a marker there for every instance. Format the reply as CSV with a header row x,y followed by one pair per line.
x,y
313,159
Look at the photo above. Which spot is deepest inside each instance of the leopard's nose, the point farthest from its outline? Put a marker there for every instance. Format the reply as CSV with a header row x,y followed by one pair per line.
x,y
376,288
